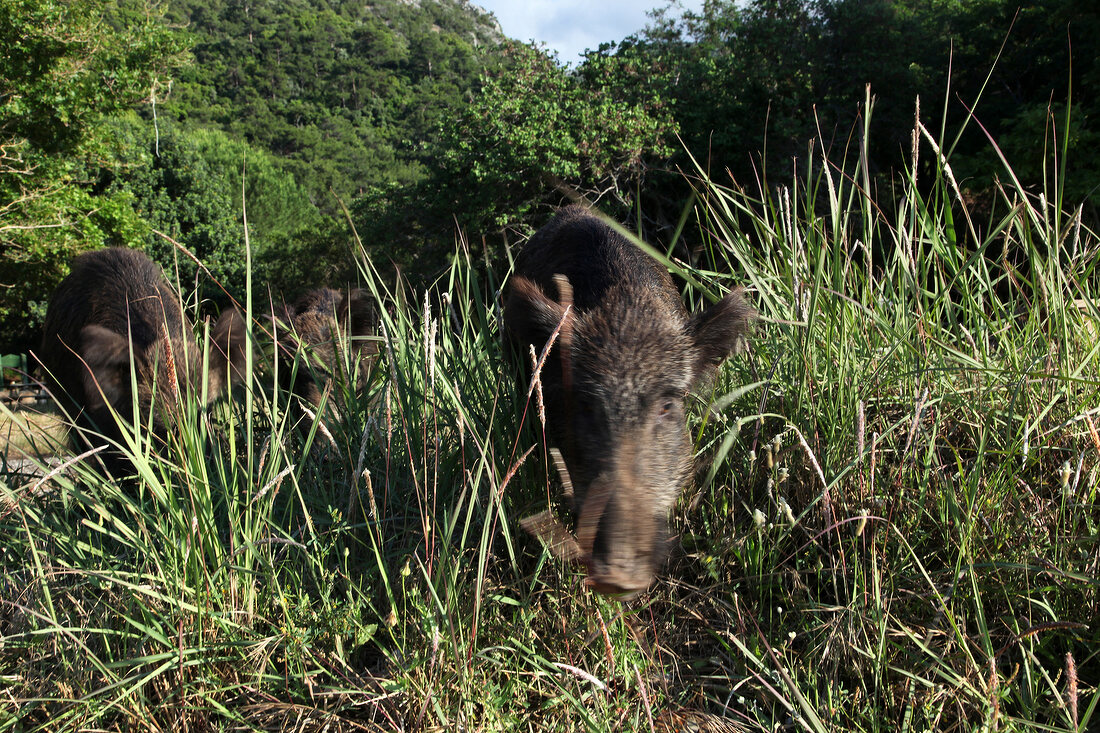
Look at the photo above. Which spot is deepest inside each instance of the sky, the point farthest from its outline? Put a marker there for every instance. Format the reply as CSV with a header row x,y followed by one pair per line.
x,y
571,26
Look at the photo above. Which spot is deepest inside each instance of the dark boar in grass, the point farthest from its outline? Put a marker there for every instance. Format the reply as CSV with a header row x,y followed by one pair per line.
x,y
115,316
614,385
330,330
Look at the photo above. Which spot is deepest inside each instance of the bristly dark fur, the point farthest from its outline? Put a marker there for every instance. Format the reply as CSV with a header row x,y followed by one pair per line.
x,y
614,391
116,309
321,322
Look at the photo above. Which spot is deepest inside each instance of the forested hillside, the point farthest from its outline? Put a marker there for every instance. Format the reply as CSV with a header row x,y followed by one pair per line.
x,y
350,93
125,127
122,126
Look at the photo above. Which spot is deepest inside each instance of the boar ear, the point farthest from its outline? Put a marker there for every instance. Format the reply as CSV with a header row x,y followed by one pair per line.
x,y
358,308
717,331
107,355
529,315
228,352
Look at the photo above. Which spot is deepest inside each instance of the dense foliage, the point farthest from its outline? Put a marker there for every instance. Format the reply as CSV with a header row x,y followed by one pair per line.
x,y
299,104
197,186
752,90
351,93
534,133
753,85
63,69
418,119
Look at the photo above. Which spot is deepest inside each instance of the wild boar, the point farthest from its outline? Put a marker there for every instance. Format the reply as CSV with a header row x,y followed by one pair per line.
x,y
331,328
615,382
114,310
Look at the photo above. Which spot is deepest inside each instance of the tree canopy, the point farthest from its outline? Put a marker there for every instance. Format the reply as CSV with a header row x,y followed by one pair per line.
x,y
65,68
117,122
349,93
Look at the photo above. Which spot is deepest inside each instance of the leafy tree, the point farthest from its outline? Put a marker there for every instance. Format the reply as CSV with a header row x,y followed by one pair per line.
x,y
346,91
752,84
534,124
533,130
188,184
63,70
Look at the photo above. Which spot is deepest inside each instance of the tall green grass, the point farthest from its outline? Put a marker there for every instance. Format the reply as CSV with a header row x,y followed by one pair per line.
x,y
893,524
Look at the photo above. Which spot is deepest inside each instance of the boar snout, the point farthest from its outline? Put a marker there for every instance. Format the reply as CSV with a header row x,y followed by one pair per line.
x,y
622,525
630,543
